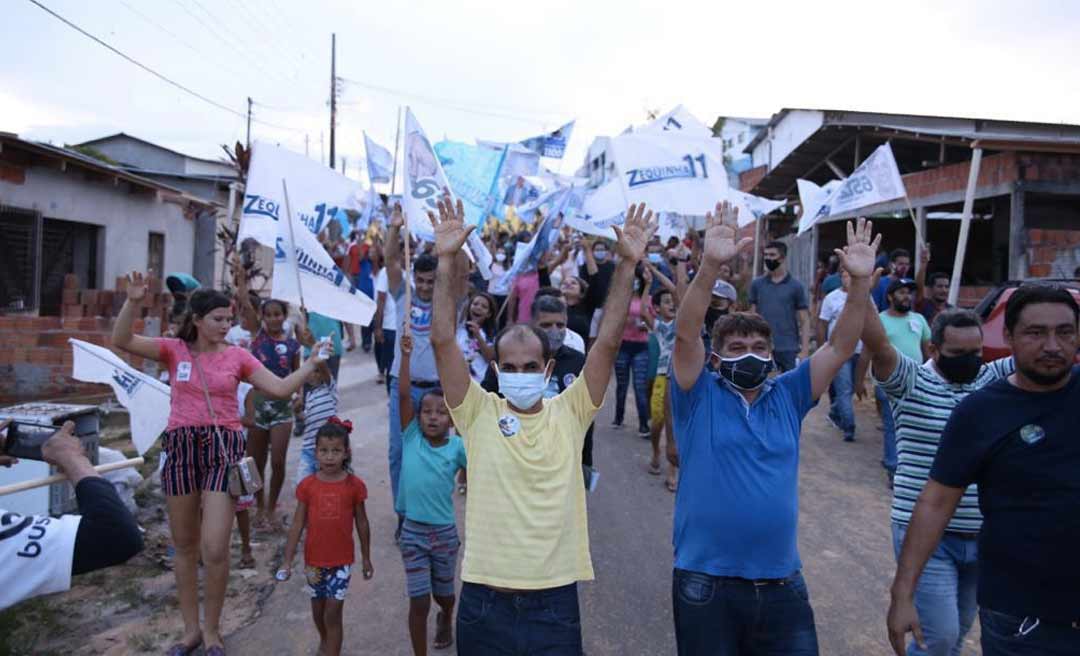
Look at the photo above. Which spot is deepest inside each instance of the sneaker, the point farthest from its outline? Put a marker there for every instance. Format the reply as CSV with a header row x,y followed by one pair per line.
x,y
849,438
592,477
643,431
616,424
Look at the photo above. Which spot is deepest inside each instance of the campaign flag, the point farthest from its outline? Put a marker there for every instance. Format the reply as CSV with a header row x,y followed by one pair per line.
x,y
600,209
527,256
145,397
552,144
425,183
875,181
304,266
671,173
472,172
752,208
380,163
316,193
678,120
670,225
519,162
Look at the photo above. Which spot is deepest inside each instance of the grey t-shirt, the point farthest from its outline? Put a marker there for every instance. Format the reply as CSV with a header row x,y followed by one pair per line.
x,y
422,363
779,303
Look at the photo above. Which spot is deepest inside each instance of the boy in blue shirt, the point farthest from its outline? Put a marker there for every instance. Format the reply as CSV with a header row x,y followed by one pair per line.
x,y
430,460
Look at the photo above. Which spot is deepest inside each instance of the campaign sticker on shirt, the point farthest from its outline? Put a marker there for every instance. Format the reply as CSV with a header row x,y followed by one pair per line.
x,y
183,372
568,380
915,326
509,425
1032,433
281,349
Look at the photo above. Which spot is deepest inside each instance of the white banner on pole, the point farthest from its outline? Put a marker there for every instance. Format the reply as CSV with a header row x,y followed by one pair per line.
x,y
380,163
875,181
671,172
146,399
425,183
317,193
680,121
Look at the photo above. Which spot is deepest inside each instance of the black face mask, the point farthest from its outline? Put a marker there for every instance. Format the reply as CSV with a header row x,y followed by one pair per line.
x,y
747,372
772,265
961,369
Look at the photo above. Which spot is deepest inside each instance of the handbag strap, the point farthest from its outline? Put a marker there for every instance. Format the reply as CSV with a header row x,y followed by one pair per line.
x,y
206,397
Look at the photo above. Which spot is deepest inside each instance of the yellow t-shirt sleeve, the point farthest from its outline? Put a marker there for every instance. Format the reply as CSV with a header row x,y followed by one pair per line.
x,y
578,406
465,415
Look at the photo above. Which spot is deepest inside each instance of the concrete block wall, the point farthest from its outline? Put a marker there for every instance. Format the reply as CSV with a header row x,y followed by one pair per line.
x,y
1052,253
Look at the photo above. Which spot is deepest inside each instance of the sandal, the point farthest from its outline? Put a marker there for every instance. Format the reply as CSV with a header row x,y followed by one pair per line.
x,y
671,485
180,649
247,561
216,650
444,632
654,468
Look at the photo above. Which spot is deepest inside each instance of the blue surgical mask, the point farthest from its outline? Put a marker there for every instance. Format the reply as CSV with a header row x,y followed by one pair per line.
x,y
656,258
600,255
522,390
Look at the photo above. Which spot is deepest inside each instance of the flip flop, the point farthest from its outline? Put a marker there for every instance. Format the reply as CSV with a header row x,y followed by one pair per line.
x,y
246,562
671,486
444,633
654,469
180,649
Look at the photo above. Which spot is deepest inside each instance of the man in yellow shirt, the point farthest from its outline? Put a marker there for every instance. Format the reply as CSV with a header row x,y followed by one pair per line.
x,y
526,531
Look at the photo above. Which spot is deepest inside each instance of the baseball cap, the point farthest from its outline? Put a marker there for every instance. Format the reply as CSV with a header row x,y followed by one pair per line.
x,y
724,289
900,283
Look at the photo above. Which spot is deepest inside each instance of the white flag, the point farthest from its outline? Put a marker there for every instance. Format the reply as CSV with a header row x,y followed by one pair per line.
x,y
678,120
602,208
326,289
875,181
380,163
671,172
146,399
316,193
752,208
425,183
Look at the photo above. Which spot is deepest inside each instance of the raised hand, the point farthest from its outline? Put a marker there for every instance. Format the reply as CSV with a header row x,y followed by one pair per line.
x,y
406,344
858,256
397,218
450,229
137,284
721,230
634,235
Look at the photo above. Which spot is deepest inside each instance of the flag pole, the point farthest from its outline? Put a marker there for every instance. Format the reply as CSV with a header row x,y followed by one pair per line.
x,y
919,241
397,139
407,324
292,247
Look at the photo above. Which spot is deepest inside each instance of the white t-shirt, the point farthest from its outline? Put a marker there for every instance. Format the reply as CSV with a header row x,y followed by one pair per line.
x,y
473,355
238,336
831,307
382,284
36,553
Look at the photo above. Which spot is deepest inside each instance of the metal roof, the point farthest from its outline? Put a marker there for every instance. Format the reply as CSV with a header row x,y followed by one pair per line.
x,y
150,143
12,141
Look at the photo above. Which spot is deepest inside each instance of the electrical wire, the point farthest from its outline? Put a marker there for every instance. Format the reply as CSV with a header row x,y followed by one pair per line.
x,y
449,103
151,71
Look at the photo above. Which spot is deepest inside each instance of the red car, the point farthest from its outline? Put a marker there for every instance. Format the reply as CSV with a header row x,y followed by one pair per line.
x,y
991,309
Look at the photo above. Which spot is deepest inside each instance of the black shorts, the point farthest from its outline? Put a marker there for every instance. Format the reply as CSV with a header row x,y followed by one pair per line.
x,y
196,459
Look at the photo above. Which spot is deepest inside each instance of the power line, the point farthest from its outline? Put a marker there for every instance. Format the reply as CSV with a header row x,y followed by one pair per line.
x,y
447,102
150,70
224,39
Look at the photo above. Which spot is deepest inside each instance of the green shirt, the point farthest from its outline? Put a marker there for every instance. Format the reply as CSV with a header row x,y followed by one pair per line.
x,y
907,333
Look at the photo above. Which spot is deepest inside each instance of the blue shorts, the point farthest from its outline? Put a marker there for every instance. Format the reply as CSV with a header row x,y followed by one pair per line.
x,y
430,556
328,582
308,465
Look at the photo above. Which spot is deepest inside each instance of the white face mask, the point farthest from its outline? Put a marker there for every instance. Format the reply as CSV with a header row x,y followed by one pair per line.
x,y
522,390
500,257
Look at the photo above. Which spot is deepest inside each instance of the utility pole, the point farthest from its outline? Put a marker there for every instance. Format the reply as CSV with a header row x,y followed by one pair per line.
x,y
249,124
333,93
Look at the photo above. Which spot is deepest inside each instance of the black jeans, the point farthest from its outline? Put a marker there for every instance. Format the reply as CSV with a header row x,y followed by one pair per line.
x,y
534,623
724,616
1010,635
384,353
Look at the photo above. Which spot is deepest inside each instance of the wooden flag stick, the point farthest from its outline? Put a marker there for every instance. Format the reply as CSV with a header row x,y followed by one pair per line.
x,y
292,240
57,478
408,279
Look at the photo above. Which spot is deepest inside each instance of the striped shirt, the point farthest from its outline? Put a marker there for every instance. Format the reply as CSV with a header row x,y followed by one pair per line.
x,y
922,402
320,403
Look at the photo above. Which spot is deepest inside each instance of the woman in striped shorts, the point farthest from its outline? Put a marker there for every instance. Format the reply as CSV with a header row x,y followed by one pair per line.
x,y
200,443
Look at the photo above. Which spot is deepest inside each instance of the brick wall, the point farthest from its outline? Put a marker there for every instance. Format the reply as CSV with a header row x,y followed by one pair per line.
x,y
36,358
1052,253
748,179
993,171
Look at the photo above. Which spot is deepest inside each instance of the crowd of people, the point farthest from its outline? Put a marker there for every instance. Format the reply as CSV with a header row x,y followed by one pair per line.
x,y
497,393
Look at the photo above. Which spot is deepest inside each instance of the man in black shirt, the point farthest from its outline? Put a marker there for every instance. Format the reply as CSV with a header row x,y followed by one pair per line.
x,y
1017,440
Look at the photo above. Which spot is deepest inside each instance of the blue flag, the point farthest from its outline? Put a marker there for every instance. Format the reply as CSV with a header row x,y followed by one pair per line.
x,y
552,144
380,163
472,172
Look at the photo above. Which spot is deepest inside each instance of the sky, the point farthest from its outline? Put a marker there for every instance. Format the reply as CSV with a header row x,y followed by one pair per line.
x,y
505,71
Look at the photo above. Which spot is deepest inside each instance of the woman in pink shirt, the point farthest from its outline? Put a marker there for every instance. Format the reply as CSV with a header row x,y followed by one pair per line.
x,y
200,444
634,354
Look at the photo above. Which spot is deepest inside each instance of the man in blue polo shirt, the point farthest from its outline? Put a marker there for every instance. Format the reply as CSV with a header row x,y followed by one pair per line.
x,y
737,565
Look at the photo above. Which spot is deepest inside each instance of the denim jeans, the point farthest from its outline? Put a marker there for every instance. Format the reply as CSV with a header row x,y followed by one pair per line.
x,y
535,623
945,594
722,616
842,410
1009,635
888,438
394,451
633,356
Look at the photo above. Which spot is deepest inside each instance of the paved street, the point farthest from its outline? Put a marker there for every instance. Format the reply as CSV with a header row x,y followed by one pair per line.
x,y
844,537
